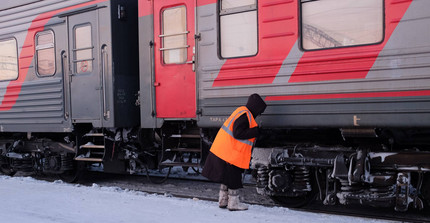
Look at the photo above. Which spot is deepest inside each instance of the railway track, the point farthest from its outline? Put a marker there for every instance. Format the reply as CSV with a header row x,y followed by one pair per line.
x,y
199,188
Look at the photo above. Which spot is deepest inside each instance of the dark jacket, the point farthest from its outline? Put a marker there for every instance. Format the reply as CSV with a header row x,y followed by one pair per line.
x,y
218,170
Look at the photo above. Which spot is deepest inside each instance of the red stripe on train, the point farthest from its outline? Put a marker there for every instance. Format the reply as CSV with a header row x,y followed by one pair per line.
x,y
145,8
27,54
349,95
205,2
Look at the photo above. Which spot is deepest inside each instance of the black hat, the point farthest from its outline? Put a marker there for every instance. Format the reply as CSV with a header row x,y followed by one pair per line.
x,y
256,105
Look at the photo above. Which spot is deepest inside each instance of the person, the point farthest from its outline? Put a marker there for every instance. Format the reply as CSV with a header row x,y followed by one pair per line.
x,y
230,153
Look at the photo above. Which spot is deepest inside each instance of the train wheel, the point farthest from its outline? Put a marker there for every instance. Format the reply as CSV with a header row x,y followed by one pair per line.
x,y
5,167
300,201
72,176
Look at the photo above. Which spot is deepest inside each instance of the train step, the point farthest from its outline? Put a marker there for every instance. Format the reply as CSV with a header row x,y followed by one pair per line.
x,y
94,135
89,146
92,148
185,150
189,136
184,145
85,159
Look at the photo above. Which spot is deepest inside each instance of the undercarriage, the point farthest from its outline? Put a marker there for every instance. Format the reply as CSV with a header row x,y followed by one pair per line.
x,y
367,174
331,168
28,154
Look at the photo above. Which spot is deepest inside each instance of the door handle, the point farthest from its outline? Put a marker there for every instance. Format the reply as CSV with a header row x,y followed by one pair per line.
x,y
104,62
66,84
193,62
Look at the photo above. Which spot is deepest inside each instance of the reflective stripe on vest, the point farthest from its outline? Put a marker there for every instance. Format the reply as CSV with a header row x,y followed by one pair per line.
x,y
234,151
249,142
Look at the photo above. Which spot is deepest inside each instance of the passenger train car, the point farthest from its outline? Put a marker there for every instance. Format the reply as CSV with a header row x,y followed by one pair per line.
x,y
132,85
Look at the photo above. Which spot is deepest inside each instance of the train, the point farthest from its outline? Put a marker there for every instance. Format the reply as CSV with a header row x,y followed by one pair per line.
x,y
129,86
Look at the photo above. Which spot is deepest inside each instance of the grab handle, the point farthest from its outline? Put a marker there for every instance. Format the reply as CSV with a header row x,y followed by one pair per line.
x,y
104,60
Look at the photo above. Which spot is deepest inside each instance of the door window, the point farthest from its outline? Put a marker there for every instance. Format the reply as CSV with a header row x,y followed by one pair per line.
x,y
174,35
83,51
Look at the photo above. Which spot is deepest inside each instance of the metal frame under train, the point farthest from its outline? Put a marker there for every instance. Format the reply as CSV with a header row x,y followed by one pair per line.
x,y
143,84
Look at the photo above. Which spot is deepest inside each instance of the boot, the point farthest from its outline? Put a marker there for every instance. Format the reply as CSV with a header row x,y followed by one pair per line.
x,y
234,203
223,196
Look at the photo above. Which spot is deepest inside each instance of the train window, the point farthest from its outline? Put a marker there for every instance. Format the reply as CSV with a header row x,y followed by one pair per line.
x,y
174,35
83,52
45,53
238,28
8,60
340,23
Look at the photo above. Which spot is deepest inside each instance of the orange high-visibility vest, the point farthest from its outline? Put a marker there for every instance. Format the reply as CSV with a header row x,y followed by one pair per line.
x,y
234,151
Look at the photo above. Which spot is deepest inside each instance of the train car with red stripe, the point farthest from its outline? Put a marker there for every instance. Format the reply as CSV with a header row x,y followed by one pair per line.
x,y
68,69
146,84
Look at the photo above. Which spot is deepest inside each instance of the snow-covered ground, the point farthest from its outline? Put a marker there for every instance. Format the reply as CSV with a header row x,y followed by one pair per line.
x,y
26,200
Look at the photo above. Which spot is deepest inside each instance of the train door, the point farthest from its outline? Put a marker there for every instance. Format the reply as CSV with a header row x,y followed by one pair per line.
x,y
85,87
175,86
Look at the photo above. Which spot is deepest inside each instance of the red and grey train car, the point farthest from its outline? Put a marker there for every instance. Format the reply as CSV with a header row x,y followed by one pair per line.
x,y
146,84
67,67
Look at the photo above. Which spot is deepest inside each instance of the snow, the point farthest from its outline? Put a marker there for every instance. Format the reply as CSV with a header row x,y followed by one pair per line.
x,y
25,199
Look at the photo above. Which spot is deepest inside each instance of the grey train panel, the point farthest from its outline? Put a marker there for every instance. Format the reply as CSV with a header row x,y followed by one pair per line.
x,y
146,66
384,112
208,67
39,107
